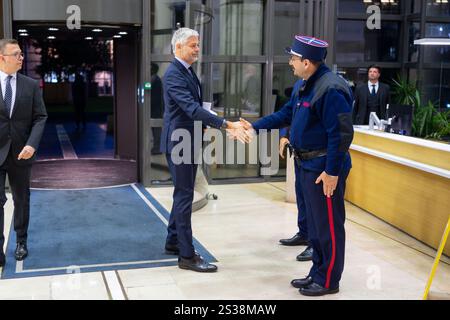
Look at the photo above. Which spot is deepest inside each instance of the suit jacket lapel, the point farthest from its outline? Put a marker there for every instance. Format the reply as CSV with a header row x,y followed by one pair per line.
x,y
19,89
190,79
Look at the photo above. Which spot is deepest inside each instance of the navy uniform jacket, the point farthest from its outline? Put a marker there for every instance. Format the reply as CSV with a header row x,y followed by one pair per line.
x,y
320,116
183,105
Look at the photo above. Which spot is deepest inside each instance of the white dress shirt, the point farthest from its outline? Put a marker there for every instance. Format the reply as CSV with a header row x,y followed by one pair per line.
x,y
3,78
377,85
184,63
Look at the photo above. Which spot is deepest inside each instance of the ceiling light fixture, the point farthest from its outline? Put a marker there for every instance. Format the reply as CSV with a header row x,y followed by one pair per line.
x,y
53,29
97,30
51,37
433,42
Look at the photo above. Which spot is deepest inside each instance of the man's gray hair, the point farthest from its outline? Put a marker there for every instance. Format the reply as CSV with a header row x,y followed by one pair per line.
x,y
182,35
5,42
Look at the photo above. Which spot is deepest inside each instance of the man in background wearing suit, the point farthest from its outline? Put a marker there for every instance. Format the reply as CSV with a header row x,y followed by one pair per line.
x,y
22,122
371,97
184,105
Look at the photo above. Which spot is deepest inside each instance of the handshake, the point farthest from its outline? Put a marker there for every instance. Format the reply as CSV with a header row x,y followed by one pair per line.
x,y
241,130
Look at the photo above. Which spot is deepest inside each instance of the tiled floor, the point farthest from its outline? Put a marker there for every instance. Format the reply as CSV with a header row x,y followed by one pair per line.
x,y
241,229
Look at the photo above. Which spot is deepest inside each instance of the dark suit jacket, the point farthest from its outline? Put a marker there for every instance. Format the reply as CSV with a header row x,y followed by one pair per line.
x,y
183,105
27,123
361,100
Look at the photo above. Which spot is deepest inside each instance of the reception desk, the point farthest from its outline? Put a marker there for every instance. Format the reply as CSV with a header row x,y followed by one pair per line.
x,y
402,180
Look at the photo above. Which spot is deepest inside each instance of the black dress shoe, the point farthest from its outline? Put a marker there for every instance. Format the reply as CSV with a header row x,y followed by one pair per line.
x,y
2,260
172,249
301,283
306,255
21,251
316,290
197,263
296,240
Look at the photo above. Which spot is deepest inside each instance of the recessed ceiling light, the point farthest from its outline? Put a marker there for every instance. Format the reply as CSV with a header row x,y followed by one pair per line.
x,y
51,37
117,36
53,29
97,30
89,38
22,30
123,32
23,34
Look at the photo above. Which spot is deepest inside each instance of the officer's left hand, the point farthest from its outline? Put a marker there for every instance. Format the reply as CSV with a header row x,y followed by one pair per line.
x,y
27,153
329,183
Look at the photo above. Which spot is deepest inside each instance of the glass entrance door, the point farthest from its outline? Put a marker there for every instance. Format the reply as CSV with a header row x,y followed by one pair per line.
x,y
231,67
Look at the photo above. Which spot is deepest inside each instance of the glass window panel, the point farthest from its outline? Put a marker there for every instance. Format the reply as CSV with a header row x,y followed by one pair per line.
x,y
436,86
286,24
416,6
167,15
437,53
237,89
412,76
414,34
159,167
360,6
238,27
283,83
438,8
356,43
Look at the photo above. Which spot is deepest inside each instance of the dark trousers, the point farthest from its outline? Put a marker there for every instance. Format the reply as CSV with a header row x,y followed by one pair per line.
x,y
326,216
19,181
180,228
301,207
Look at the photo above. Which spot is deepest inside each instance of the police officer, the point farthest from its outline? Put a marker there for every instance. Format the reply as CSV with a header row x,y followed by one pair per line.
x,y
321,134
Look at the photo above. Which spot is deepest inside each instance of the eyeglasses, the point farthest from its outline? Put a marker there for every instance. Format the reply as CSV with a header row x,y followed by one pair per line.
x,y
17,55
294,58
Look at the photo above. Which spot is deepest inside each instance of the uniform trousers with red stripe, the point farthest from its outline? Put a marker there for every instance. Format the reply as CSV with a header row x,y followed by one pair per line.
x,y
326,218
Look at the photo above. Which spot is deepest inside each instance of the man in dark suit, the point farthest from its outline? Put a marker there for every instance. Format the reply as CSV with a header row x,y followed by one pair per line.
x,y
22,122
372,96
183,106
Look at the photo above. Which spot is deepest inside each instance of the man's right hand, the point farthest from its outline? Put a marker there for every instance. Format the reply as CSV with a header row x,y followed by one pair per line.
x,y
237,131
247,125
283,143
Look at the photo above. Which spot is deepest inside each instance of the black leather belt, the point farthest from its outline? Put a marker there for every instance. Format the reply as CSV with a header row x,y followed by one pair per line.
x,y
305,155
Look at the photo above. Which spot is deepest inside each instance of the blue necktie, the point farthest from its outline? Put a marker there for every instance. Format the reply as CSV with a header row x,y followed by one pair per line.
x,y
373,90
8,95
196,81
